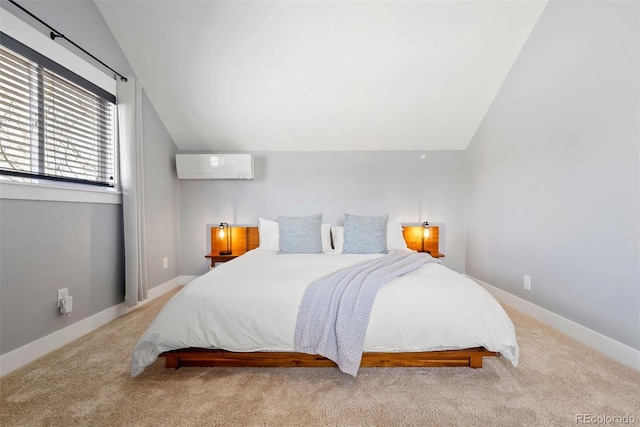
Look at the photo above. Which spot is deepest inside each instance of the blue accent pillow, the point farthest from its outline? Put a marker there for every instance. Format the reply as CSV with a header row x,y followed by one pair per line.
x,y
300,234
365,234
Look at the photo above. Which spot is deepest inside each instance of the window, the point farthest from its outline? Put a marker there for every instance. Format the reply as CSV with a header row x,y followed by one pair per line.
x,y
53,123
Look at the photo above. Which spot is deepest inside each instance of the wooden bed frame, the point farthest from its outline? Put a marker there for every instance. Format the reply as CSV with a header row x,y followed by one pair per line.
x,y
471,358
247,238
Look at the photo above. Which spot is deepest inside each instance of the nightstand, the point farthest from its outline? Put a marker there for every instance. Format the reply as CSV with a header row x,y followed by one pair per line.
x,y
216,257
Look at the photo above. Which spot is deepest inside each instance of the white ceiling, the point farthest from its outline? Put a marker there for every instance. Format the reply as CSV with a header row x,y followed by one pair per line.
x,y
321,75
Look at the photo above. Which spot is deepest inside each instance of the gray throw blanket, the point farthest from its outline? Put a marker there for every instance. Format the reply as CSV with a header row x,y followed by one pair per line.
x,y
335,309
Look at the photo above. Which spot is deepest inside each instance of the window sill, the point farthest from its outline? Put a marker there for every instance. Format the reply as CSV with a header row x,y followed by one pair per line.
x,y
61,192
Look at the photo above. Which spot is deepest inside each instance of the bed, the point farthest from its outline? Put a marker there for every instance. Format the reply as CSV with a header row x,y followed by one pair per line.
x,y
243,313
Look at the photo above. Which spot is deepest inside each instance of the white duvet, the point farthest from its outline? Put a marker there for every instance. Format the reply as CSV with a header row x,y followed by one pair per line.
x,y
251,304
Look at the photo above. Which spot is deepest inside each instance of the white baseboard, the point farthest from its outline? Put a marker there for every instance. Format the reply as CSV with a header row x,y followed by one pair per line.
x,y
21,356
159,290
186,279
614,349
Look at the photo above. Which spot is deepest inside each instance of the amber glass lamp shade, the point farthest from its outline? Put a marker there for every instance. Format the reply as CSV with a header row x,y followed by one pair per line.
x,y
224,233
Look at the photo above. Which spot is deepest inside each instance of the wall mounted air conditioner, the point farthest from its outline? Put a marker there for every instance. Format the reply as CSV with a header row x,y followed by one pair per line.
x,y
214,166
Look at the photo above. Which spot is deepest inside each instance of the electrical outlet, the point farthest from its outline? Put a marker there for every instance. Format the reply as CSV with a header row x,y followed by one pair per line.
x,y
527,282
62,293
66,305
165,262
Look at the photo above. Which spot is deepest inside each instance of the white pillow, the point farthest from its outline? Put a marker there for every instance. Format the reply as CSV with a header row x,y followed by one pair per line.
x,y
395,239
270,235
337,233
325,234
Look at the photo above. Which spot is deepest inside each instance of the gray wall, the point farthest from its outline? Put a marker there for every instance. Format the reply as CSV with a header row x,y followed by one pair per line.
x,y
363,183
49,245
162,199
46,246
552,172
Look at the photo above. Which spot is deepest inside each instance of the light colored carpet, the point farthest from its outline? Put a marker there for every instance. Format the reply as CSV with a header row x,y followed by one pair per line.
x,y
87,383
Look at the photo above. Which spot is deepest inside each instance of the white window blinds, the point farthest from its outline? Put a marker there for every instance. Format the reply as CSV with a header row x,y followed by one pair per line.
x,y
52,128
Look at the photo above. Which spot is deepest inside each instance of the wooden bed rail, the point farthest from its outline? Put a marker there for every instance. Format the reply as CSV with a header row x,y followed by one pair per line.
x,y
471,358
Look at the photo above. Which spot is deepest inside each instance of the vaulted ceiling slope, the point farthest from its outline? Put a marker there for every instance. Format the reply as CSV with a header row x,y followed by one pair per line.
x,y
321,75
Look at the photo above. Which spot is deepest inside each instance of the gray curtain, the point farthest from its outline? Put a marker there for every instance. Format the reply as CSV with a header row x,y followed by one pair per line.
x,y
129,96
